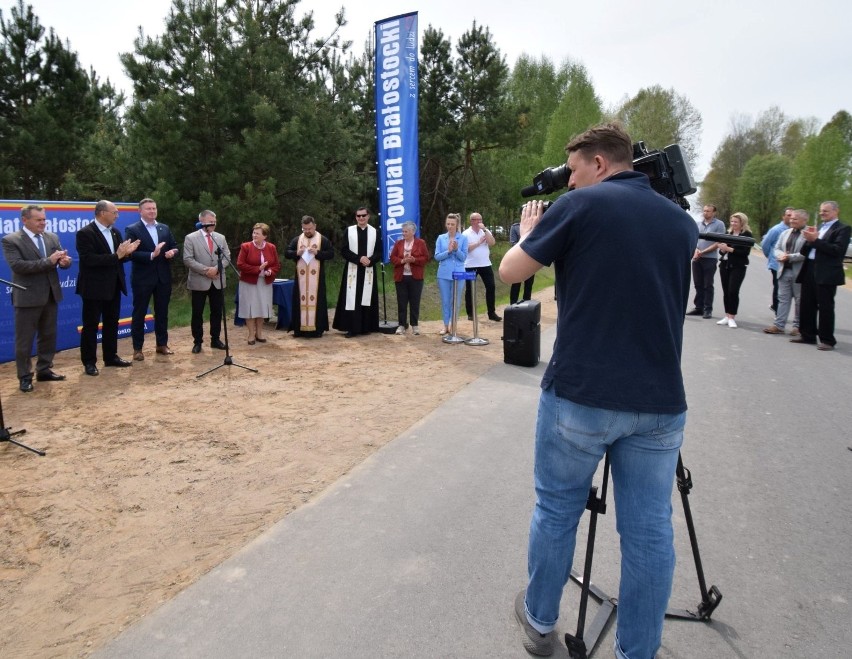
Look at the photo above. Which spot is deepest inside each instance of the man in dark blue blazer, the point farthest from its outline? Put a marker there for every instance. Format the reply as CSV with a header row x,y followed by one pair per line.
x,y
151,275
821,274
100,283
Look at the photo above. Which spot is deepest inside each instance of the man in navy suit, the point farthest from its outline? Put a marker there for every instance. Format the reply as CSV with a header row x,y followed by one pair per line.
x,y
151,275
821,274
100,283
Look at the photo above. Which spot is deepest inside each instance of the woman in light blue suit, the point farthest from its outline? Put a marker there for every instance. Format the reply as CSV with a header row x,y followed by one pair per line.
x,y
450,252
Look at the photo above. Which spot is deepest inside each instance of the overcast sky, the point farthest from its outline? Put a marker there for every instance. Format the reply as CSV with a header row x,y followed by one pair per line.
x,y
727,57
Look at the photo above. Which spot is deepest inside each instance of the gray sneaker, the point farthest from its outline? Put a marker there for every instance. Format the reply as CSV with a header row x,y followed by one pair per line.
x,y
534,642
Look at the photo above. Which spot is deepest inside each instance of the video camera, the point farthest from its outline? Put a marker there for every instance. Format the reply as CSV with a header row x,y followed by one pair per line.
x,y
667,170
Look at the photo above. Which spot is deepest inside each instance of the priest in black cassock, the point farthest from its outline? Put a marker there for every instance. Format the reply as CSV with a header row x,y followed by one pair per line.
x,y
357,309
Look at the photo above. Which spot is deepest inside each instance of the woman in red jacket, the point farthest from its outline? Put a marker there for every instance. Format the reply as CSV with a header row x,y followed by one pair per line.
x,y
258,264
409,256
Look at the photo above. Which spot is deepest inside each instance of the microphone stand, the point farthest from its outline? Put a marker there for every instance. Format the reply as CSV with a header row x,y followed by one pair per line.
x,y
227,361
6,434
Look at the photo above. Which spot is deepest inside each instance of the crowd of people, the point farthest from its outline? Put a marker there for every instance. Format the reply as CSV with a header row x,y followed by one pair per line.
x,y
611,388
34,255
806,263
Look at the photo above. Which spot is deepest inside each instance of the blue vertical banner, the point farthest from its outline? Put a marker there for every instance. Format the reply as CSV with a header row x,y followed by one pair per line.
x,y
397,91
64,218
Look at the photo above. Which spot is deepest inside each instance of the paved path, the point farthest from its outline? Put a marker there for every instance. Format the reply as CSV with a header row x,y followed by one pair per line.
x,y
420,551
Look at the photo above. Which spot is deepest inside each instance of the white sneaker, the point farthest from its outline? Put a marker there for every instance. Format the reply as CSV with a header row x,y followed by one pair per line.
x,y
415,330
400,330
724,321
732,323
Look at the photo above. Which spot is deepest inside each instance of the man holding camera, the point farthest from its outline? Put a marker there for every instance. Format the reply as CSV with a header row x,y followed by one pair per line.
x,y
609,387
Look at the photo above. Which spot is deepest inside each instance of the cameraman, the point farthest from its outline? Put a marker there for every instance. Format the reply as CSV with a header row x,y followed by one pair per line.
x,y
622,257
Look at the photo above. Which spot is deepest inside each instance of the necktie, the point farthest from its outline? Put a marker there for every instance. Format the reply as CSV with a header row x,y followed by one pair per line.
x,y
209,242
791,241
41,246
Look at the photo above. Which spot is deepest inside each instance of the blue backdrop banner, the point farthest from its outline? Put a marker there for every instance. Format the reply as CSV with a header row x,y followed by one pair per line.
x,y
64,219
396,126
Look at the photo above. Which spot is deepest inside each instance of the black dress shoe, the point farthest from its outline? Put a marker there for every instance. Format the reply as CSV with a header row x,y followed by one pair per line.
x,y
118,362
350,335
216,343
494,317
49,376
707,315
91,369
196,348
27,384
695,312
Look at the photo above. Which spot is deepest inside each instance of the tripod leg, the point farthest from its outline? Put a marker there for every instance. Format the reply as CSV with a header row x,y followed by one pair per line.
x,y
6,434
709,599
578,646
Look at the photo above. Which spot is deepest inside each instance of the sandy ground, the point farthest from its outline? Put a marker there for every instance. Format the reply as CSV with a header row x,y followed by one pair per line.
x,y
153,476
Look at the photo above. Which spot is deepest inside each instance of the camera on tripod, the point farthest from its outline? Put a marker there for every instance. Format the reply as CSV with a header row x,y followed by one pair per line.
x,y
667,170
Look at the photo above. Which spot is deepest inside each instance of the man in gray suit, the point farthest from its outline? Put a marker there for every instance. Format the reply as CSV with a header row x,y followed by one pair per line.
x,y
33,255
787,251
201,260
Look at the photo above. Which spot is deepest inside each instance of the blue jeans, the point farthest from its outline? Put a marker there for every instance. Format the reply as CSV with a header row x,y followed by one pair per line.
x,y
570,441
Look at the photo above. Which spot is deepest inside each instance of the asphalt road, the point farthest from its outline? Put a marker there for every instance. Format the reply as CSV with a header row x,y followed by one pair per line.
x,y
420,551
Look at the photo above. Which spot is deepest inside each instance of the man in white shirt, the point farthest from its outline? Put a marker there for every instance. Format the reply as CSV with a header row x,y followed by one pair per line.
x,y
479,241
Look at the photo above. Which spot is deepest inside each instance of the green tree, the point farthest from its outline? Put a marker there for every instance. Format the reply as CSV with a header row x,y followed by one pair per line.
x,y
771,132
760,188
578,109
438,127
49,105
487,116
536,87
237,104
823,169
661,117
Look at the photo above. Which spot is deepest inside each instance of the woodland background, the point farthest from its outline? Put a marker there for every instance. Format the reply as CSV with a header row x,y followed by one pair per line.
x,y
243,108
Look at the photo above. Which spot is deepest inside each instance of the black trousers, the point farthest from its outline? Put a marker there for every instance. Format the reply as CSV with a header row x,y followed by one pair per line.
x,y
703,274
515,289
487,275
162,293
732,280
408,292
95,311
774,290
199,298
816,310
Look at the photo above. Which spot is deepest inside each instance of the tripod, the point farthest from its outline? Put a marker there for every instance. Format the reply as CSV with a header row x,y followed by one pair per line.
x,y
228,361
5,433
583,643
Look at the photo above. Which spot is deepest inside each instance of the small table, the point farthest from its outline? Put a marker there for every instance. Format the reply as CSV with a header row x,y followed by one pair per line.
x,y
282,295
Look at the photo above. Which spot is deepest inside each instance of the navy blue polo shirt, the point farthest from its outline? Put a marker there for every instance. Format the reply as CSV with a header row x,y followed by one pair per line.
x,y
622,257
